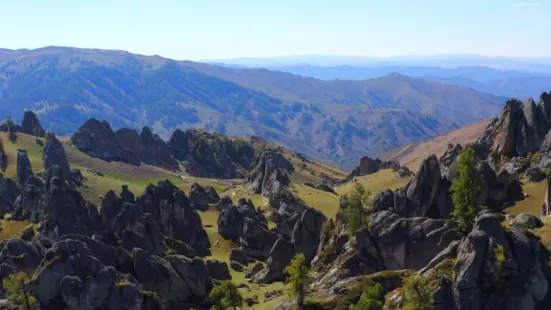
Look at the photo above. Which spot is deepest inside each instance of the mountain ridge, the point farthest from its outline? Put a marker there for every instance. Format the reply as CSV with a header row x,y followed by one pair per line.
x,y
336,121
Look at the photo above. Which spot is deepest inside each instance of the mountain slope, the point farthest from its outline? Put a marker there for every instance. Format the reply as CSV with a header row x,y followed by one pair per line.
x,y
336,121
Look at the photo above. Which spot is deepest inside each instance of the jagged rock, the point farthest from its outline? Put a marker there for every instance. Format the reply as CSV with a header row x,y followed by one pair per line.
x,y
224,203
280,256
325,188
169,207
3,157
64,211
289,209
176,279
54,155
97,139
31,125
409,243
240,257
535,174
199,198
27,204
211,155
130,140
268,173
155,151
248,228
24,168
481,285
9,191
21,254
77,176
218,270
527,221
212,194
307,232
137,229
428,194
127,195
449,162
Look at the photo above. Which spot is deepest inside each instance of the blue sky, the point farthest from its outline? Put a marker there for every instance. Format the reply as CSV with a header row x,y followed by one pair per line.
x,y
207,29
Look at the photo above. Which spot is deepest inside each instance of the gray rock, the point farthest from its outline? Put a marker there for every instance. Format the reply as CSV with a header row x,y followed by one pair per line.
x,y
236,266
527,221
218,270
268,173
535,174
307,232
240,257
24,168
31,125
199,198
280,256
54,155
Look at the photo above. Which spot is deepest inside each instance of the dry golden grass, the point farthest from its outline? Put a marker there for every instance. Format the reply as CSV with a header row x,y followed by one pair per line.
x,y
383,179
532,204
12,229
412,155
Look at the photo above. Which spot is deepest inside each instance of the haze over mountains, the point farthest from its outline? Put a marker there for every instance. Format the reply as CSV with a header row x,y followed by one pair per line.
x,y
337,121
509,77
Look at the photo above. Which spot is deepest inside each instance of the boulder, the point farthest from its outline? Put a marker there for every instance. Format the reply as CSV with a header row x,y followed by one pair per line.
x,y
54,155
236,266
251,272
484,282
97,139
409,243
240,257
280,256
527,221
31,125
535,174
24,168
199,198
224,203
306,233
218,270
212,194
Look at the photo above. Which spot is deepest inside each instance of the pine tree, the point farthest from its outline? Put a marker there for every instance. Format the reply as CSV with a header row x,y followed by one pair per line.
x,y
227,296
371,298
297,279
465,190
355,212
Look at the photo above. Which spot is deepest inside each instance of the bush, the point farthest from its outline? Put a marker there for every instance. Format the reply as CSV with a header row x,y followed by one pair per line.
x,y
417,293
16,292
226,296
372,297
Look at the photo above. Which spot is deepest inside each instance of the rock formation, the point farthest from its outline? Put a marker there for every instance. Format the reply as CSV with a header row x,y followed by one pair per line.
x,y
268,173
146,146
97,139
54,155
24,168
369,166
200,197
31,125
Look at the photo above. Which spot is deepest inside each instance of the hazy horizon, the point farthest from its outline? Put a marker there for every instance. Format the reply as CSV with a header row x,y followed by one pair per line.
x,y
211,30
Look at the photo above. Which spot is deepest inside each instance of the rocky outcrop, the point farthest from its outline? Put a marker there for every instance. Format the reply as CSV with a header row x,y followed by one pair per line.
x,y
512,279
248,228
3,157
170,209
369,166
54,155
146,146
31,125
24,168
326,188
269,173
306,233
426,195
409,243
200,197
9,191
97,139
281,255
27,205
211,155
218,270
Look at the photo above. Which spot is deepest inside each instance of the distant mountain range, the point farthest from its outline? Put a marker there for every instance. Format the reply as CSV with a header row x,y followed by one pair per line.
x,y
508,83
337,121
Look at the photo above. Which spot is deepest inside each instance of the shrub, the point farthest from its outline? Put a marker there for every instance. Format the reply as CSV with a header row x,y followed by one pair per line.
x,y
16,291
417,293
226,296
355,213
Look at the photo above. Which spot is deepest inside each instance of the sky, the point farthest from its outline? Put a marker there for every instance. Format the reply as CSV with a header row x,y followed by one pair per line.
x,y
215,29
